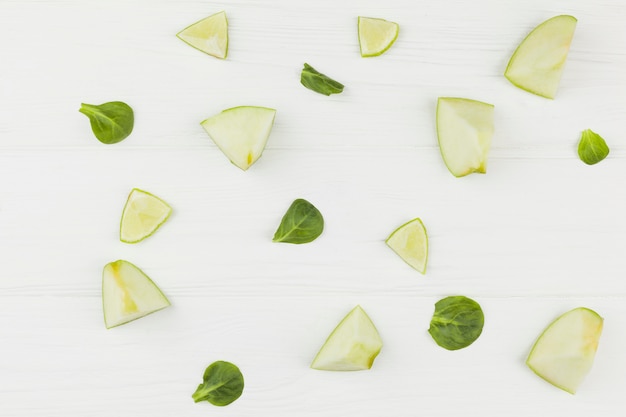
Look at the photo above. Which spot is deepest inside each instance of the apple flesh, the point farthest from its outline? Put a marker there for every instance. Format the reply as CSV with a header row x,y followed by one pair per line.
x,y
563,355
464,130
128,294
352,346
538,62
241,133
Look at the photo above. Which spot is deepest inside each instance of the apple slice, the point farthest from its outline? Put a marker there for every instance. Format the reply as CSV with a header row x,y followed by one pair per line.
x,y
128,294
352,346
241,132
464,130
209,35
564,353
538,62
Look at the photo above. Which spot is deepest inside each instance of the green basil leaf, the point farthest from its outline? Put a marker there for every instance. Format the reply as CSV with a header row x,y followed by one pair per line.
x,y
319,82
592,148
302,223
111,122
222,384
457,322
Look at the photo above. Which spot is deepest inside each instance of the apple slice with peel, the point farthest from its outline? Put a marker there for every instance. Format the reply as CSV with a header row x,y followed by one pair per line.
x,y
128,294
241,132
352,346
209,35
564,353
464,130
538,62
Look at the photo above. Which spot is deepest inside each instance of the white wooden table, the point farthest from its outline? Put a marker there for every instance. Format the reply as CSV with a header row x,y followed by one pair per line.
x,y
539,234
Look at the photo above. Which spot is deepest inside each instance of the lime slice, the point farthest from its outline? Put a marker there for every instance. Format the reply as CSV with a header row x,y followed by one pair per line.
x,y
376,35
464,130
538,62
209,35
128,294
352,346
563,355
410,242
241,132
143,214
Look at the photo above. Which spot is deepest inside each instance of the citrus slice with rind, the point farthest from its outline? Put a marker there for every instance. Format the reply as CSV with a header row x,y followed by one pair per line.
x,y
410,242
241,132
209,35
376,35
143,214
352,346
128,294
538,62
564,353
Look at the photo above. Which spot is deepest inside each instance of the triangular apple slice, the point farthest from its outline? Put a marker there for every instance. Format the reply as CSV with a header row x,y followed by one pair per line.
x,y
564,353
209,35
241,132
537,63
128,294
464,129
352,346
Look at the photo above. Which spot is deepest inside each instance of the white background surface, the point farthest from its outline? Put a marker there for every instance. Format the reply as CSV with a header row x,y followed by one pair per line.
x,y
539,234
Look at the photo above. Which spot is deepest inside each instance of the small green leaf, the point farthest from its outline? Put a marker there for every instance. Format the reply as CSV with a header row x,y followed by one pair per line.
x,y
592,148
111,122
457,322
222,384
319,82
302,223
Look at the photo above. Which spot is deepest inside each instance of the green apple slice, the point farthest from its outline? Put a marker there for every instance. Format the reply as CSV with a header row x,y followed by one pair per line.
x,y
128,294
410,242
241,132
352,346
209,35
564,353
143,214
538,62
464,130
376,35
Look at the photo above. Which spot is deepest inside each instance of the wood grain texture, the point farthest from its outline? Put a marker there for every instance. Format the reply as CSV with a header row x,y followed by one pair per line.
x,y
539,234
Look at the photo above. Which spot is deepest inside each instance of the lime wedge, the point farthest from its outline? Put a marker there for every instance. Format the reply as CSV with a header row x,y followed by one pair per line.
x,y
128,294
410,242
143,214
352,346
209,35
241,132
464,129
538,62
376,35
564,353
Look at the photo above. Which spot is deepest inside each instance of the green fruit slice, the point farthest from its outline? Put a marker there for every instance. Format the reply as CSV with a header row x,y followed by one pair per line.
x,y
241,132
128,294
376,35
464,130
564,353
352,346
143,214
410,242
538,62
209,35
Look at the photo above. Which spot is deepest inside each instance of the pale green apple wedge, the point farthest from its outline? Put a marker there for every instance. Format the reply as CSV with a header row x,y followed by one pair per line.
x,y
352,346
410,242
376,35
538,62
464,130
241,132
209,35
564,353
143,214
128,294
